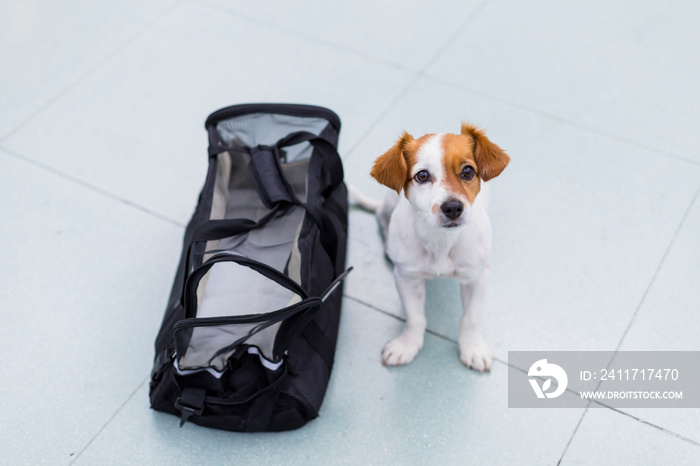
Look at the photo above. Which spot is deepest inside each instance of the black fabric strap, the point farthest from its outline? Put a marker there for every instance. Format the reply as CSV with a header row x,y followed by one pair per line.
x,y
324,148
270,182
327,232
218,229
319,342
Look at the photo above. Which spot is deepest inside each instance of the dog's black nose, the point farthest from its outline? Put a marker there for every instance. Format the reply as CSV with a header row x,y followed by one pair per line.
x,y
452,209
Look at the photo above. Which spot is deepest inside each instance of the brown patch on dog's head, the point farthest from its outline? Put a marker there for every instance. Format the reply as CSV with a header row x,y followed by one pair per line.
x,y
458,154
392,168
490,159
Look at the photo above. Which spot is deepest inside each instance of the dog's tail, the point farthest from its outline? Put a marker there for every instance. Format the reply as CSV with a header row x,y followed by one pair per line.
x,y
363,201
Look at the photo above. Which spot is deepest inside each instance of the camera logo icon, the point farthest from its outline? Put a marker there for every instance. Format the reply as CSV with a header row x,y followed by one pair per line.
x,y
543,369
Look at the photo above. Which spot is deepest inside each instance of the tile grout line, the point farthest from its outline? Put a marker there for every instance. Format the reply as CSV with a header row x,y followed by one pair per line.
x,y
134,392
299,34
381,116
634,315
471,17
658,268
662,429
427,330
632,319
412,82
561,120
422,73
400,319
91,187
90,71
644,296
520,369
418,75
573,434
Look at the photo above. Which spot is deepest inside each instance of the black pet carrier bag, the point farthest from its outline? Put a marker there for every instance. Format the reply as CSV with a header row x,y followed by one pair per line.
x,y
249,333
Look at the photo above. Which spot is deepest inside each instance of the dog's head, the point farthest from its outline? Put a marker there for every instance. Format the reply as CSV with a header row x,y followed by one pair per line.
x,y
441,174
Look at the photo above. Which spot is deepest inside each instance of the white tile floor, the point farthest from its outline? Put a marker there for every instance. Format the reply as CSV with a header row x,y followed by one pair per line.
x,y
102,154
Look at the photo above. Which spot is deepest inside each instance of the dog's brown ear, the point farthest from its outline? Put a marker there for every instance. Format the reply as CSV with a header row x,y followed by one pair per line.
x,y
391,169
491,160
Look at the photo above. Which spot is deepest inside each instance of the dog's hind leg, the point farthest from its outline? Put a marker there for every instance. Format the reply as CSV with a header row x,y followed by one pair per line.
x,y
385,210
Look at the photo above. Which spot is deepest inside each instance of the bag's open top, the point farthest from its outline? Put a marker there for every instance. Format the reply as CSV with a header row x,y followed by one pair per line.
x,y
263,185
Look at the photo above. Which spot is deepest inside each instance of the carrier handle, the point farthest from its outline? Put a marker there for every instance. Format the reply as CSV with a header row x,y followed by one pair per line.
x,y
299,308
325,149
218,229
192,281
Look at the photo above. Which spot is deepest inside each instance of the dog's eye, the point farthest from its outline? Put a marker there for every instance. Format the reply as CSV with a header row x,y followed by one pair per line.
x,y
422,176
468,173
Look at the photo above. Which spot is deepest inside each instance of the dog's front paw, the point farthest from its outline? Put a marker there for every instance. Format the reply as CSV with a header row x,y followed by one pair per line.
x,y
401,350
475,353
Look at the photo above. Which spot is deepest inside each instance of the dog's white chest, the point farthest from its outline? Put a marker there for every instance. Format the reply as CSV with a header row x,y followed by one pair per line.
x,y
457,258
454,264
427,252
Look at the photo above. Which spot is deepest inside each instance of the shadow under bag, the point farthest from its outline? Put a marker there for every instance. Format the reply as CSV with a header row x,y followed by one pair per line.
x,y
250,330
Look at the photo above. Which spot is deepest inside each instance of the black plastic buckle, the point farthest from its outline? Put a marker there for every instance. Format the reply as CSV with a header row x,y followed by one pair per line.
x,y
191,402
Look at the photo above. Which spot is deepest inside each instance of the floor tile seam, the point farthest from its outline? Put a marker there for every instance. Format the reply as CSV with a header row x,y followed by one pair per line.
x,y
524,370
641,302
561,120
659,266
301,35
573,434
414,80
77,181
97,65
663,430
473,14
651,424
111,418
618,410
414,74
401,319
347,155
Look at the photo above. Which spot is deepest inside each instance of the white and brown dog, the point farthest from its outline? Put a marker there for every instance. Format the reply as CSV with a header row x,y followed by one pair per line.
x,y
439,227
